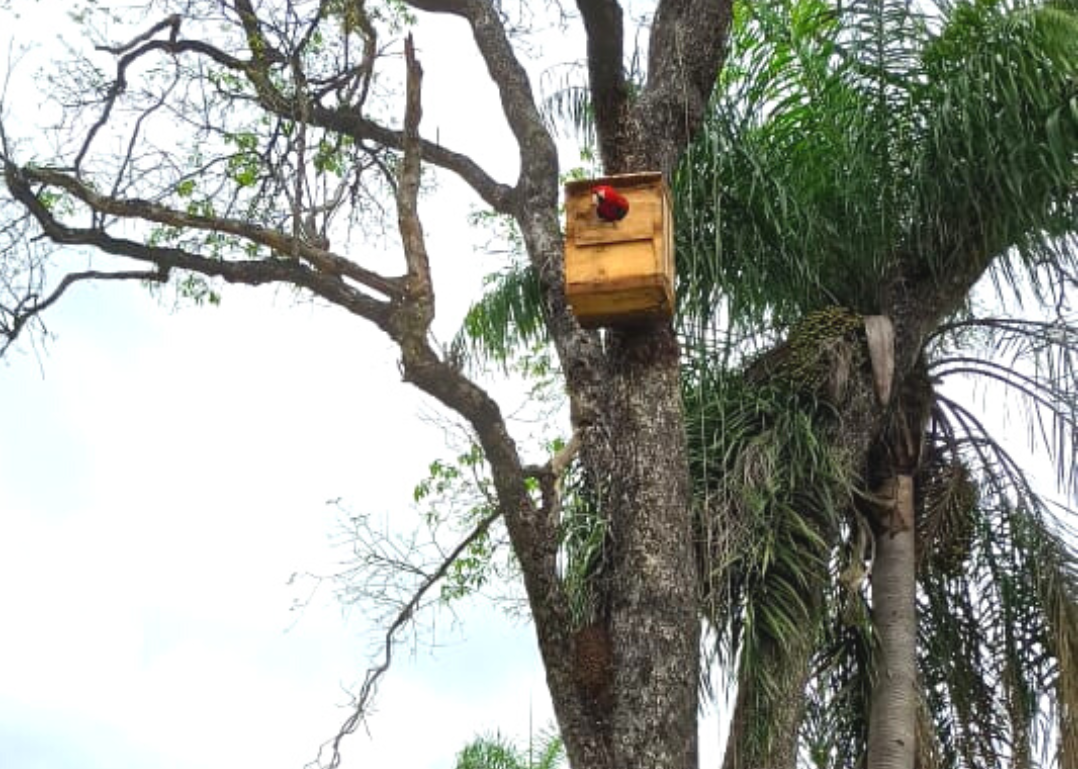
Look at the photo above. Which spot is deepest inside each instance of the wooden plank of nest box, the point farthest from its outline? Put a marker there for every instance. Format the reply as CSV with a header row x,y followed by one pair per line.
x,y
618,182
619,272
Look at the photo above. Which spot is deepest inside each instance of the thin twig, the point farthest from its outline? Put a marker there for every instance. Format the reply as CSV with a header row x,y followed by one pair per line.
x,y
375,674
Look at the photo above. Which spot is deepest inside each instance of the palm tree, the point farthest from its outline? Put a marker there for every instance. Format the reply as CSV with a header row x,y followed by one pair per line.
x,y
882,160
884,581
497,752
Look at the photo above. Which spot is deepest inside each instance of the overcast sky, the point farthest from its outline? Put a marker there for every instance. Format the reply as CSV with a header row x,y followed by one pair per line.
x,y
161,477
162,474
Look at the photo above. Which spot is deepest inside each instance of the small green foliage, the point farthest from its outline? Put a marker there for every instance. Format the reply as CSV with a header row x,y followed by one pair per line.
x,y
395,13
590,167
59,203
457,495
545,751
332,157
245,165
164,235
441,477
200,207
197,289
227,81
186,188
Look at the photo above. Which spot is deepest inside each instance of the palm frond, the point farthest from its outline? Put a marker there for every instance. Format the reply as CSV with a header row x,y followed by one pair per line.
x,y
835,730
998,171
506,319
998,634
844,140
583,530
1035,362
567,109
792,191
770,495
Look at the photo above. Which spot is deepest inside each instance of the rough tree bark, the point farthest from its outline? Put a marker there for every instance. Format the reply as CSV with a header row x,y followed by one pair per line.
x,y
631,431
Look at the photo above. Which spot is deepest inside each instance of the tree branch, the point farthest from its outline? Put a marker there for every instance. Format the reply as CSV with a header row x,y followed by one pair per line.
x,y
534,540
250,272
606,73
119,84
29,308
171,23
365,697
550,476
286,245
500,197
419,288
538,155
537,196
346,118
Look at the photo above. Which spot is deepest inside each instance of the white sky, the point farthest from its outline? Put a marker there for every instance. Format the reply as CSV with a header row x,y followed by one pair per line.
x,y
162,474
158,485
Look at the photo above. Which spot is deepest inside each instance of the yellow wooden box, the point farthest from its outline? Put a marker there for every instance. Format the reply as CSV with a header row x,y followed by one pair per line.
x,y
620,272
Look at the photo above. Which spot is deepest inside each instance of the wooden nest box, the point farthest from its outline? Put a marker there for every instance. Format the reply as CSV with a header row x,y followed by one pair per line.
x,y
620,272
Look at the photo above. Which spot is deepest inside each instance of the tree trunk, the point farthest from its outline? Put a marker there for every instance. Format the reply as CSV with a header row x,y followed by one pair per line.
x,y
782,713
892,740
628,415
648,600
625,688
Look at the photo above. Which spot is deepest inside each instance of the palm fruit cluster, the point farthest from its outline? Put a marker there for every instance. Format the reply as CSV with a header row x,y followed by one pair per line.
x,y
819,354
947,498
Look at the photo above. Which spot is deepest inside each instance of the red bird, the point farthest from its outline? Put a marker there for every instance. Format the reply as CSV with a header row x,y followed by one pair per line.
x,y
610,205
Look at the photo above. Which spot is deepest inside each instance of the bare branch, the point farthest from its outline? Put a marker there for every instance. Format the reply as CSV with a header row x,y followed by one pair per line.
x,y
325,261
14,319
538,155
550,477
119,85
365,697
172,23
250,272
346,117
498,196
419,286
409,326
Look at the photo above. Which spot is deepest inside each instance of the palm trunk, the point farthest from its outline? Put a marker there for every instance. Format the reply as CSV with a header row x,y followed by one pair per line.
x,y
782,711
892,742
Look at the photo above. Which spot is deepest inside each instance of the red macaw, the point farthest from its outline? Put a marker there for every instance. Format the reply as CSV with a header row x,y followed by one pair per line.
x,y
610,205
